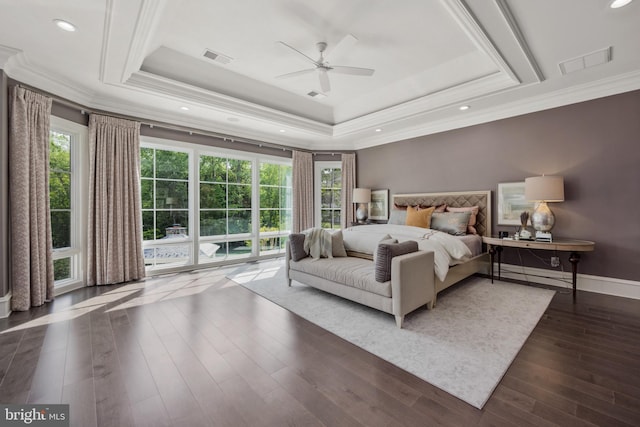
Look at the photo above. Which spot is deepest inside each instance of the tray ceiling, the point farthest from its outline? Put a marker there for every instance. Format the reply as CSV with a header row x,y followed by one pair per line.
x,y
145,58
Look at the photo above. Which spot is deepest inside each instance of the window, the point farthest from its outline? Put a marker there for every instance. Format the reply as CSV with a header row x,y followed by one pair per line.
x,y
66,150
225,207
275,206
165,206
328,194
204,205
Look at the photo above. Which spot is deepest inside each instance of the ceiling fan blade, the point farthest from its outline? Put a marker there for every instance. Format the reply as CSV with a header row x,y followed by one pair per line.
x,y
296,73
343,46
324,80
313,61
354,71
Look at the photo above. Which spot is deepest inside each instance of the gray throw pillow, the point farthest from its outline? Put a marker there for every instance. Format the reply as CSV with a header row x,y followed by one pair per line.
x,y
386,251
337,244
454,223
296,244
398,216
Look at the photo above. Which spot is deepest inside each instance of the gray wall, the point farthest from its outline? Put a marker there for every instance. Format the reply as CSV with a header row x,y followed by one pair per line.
x,y
4,185
595,145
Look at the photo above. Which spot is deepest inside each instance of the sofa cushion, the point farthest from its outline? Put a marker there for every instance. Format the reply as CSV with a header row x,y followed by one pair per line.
x,y
388,250
350,271
296,244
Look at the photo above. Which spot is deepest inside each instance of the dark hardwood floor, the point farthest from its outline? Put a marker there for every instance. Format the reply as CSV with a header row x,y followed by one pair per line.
x,y
196,349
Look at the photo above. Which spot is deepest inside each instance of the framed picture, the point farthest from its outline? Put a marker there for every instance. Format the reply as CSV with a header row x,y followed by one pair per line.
x,y
379,206
511,203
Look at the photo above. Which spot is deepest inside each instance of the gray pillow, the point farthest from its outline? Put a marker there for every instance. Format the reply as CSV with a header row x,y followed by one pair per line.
x,y
454,223
296,244
386,251
337,244
398,216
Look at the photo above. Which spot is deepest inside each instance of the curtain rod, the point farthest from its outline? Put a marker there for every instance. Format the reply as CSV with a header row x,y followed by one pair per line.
x,y
151,124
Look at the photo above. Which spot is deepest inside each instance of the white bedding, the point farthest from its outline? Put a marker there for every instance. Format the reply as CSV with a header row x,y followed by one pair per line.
x,y
448,250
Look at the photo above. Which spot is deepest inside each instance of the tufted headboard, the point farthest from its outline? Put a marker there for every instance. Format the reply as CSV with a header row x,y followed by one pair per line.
x,y
460,199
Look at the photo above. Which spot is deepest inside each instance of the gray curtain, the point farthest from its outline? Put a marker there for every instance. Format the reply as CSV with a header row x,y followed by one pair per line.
x,y
30,220
348,184
302,191
115,216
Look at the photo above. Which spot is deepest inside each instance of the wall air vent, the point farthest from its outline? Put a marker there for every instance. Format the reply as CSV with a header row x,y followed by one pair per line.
x,y
218,57
589,60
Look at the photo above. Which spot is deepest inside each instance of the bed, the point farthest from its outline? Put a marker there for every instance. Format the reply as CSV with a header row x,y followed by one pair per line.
x,y
458,268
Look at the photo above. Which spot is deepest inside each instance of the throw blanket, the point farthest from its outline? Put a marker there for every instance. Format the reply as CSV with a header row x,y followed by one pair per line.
x,y
317,243
448,250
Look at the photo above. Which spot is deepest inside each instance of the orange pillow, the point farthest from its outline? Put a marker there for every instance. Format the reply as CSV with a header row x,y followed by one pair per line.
x,y
419,218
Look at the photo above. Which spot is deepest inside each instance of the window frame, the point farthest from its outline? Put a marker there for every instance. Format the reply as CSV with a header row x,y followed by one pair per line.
x,y
79,137
194,203
317,189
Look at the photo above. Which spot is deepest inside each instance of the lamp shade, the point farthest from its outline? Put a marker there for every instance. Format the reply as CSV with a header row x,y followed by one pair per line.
x,y
361,195
544,188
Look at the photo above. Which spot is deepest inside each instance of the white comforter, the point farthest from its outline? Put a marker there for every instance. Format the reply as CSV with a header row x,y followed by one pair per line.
x,y
448,250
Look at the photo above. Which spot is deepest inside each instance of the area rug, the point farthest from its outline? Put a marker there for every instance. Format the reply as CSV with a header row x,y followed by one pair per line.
x,y
464,346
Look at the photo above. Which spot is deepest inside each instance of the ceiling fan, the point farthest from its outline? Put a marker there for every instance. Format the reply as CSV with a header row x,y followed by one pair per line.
x,y
322,65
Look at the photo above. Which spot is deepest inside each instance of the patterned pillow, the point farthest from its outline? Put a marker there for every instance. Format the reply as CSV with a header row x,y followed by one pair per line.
x,y
451,222
472,219
419,218
386,252
296,244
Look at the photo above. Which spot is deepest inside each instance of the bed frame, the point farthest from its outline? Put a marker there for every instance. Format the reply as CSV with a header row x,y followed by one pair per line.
x,y
482,199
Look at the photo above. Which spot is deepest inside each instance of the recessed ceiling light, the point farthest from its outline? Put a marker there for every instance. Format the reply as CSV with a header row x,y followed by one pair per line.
x,y
65,25
464,107
619,3
378,130
184,108
282,130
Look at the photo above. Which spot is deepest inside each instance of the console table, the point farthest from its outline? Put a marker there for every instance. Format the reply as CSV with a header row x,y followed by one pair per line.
x,y
496,244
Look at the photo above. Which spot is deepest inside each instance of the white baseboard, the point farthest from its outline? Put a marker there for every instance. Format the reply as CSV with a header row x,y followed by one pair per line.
x,y
585,282
5,305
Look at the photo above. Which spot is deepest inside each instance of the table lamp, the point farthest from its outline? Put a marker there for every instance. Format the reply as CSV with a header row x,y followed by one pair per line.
x,y
362,196
543,189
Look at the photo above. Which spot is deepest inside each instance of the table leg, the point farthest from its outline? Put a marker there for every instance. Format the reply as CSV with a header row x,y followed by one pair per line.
x,y
574,259
492,254
499,250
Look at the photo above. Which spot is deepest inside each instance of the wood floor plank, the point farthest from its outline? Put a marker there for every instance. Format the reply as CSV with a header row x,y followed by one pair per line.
x,y
198,349
80,396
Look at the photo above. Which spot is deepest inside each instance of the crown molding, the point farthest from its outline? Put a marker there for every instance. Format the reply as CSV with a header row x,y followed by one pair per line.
x,y
22,70
566,96
519,38
6,53
155,84
419,107
148,19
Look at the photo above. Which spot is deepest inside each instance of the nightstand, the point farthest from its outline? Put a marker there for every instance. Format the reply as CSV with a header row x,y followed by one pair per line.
x,y
496,244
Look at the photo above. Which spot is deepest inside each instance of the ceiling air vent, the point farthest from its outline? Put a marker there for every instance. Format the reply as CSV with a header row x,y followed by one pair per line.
x,y
218,57
589,60
315,94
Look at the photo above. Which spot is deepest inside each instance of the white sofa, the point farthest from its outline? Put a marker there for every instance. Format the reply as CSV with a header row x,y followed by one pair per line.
x,y
411,285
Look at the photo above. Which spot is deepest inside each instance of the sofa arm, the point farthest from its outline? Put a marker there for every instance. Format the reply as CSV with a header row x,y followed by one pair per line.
x,y
412,282
287,260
